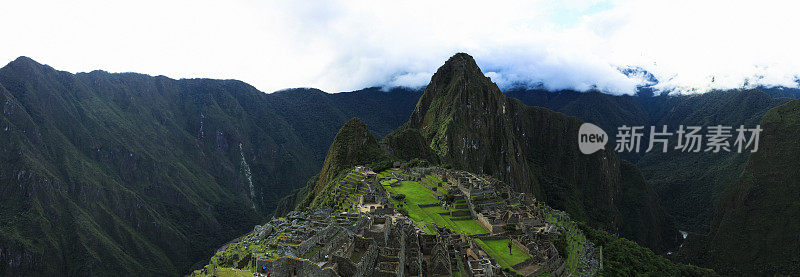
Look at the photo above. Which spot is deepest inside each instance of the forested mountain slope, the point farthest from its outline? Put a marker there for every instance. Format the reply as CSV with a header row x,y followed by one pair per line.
x,y
133,174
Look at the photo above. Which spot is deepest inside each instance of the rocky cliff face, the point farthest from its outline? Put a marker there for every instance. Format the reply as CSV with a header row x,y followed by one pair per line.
x,y
755,230
471,125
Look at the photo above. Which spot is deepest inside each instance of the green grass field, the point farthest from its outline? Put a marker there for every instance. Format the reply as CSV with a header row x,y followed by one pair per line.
x,y
468,226
416,194
499,250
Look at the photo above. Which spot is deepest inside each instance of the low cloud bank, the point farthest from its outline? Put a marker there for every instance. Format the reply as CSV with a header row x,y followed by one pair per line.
x,y
338,45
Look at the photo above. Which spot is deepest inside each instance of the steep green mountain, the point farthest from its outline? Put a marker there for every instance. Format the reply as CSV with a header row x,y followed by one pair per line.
x,y
691,183
471,125
130,174
139,175
755,230
688,184
353,145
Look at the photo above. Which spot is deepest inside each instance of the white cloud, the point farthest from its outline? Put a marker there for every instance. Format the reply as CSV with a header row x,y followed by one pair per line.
x,y
347,45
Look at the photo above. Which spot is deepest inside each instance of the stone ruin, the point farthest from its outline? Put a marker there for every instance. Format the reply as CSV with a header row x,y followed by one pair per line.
x,y
372,242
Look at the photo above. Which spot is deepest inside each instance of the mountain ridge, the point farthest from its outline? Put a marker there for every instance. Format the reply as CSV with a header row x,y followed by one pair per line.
x,y
135,174
91,187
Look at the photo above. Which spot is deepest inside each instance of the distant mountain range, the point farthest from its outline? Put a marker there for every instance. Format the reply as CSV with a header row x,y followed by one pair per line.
x,y
132,174
139,175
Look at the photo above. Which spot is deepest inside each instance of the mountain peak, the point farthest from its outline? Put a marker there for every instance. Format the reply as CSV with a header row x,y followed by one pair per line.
x,y
353,123
25,64
460,67
463,60
457,88
353,145
23,61
300,91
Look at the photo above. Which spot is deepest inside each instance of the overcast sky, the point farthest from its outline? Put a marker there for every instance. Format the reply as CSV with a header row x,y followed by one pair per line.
x,y
691,46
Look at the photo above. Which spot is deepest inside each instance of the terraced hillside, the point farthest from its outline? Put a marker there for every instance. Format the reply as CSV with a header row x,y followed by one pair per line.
x,y
438,214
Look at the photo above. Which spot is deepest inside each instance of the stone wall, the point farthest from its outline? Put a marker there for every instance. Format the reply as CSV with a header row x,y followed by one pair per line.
x,y
343,266
366,266
319,238
290,266
522,247
483,221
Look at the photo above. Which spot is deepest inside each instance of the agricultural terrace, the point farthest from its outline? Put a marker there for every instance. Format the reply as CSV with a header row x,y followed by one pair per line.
x,y
575,242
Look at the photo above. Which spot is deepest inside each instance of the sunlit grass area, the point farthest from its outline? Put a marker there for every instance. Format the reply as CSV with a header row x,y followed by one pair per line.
x,y
417,194
498,249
